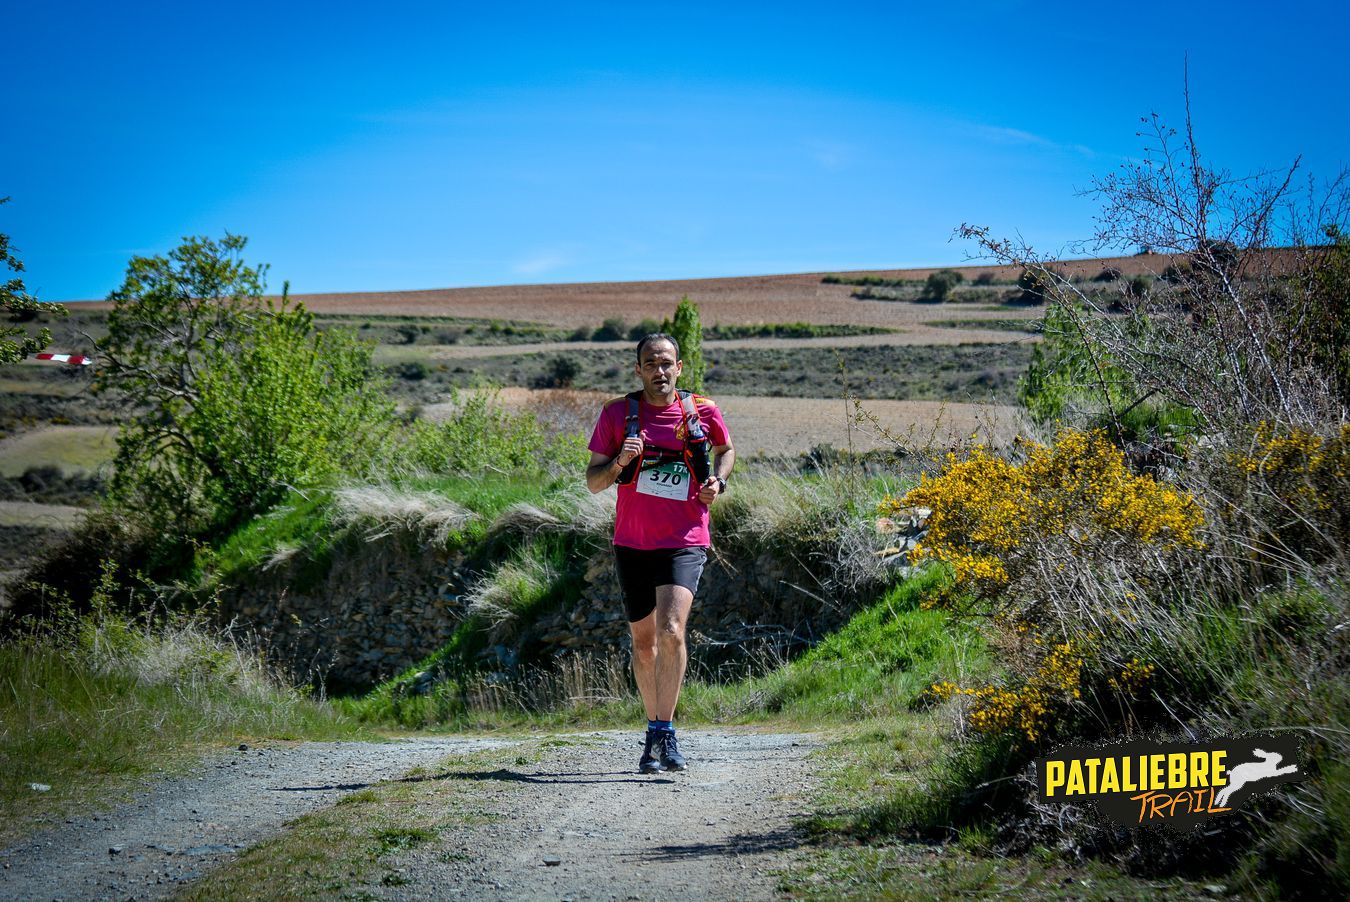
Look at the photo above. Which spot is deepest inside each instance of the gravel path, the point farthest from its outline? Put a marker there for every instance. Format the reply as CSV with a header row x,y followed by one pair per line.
x,y
579,824
582,824
181,827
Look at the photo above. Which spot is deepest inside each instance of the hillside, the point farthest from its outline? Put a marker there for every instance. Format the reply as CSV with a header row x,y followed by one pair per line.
x,y
747,299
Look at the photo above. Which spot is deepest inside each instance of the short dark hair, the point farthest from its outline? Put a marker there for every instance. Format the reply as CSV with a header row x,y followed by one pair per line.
x,y
657,336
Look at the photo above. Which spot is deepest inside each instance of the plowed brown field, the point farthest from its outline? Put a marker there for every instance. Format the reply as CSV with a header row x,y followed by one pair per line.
x,y
800,297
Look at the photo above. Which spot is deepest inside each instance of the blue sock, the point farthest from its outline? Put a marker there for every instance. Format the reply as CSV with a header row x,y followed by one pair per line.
x,y
667,726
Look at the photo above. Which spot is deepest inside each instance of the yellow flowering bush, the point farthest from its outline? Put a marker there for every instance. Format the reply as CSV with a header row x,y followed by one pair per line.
x,y
1067,544
1029,529
1132,678
1294,485
1026,709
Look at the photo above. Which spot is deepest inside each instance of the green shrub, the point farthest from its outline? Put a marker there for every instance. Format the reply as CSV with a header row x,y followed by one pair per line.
x,y
1137,288
1037,283
412,371
613,329
479,435
939,285
560,373
643,329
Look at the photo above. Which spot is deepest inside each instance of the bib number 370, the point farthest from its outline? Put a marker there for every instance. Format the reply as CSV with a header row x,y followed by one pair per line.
x,y
669,480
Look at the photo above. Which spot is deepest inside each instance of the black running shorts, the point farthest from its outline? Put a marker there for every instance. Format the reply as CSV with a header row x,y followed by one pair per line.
x,y
640,572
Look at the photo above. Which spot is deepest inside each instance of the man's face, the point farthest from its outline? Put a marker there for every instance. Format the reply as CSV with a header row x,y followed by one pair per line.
x,y
658,369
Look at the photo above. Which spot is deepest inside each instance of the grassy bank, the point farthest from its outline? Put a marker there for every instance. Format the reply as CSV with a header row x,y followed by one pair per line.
x,y
91,704
877,665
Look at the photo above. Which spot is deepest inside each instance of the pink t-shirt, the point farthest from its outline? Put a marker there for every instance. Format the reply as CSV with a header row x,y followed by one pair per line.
x,y
646,521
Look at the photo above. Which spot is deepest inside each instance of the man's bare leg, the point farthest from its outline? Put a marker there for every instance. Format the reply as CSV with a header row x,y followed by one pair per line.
x,y
671,615
644,660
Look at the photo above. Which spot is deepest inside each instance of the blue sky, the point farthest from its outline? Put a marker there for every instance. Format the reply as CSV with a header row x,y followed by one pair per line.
x,y
398,146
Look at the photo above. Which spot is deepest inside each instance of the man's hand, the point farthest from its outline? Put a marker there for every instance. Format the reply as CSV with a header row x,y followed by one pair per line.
x,y
632,447
709,490
601,472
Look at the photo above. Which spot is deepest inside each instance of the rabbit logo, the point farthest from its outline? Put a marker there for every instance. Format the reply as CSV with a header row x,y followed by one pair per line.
x,y
1251,772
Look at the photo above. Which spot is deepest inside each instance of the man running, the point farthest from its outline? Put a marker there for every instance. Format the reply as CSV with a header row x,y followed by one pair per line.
x,y
661,527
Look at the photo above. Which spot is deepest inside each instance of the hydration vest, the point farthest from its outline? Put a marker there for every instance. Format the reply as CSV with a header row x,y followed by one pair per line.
x,y
697,453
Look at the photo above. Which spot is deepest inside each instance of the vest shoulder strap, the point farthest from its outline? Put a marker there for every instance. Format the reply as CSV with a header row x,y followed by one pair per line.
x,y
632,424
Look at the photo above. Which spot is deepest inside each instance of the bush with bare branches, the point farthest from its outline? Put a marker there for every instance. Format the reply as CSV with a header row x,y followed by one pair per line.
x,y
1241,329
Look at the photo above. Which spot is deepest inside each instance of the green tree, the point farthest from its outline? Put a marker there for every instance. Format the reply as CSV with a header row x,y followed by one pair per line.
x,y
235,397
688,331
292,407
15,341
939,285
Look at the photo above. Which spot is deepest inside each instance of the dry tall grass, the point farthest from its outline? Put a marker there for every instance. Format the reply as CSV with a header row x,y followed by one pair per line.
x,y
386,509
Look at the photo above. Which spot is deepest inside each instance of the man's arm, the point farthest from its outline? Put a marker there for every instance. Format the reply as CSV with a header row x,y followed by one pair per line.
x,y
603,469
724,458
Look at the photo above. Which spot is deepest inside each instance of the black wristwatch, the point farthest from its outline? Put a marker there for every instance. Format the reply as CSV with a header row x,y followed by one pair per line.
x,y
721,485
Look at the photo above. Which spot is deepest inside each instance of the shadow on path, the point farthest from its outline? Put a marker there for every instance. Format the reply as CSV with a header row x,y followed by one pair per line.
x,y
780,840
500,774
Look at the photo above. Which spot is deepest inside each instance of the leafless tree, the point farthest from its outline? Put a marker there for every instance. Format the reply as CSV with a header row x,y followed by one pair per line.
x,y
1232,326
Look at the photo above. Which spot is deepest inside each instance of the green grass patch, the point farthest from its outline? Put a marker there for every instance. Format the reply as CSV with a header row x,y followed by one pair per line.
x,y
301,521
306,525
352,850
89,707
75,449
51,388
875,666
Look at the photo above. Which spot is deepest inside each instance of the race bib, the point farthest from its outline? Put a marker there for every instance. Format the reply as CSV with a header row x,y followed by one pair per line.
x,y
668,480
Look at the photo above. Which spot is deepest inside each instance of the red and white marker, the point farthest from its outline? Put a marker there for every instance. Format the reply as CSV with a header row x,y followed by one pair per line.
x,y
72,359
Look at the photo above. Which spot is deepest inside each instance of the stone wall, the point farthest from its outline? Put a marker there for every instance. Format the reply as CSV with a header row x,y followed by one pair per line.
x,y
377,612
392,602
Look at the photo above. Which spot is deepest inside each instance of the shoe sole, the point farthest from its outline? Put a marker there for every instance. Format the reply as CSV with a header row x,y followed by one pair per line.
x,y
650,769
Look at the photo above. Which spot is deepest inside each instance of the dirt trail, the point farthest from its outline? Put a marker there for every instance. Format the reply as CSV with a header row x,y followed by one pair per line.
x,y
180,828
580,823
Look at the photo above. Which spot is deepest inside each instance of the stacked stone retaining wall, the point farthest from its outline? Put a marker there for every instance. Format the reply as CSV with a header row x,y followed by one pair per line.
x,y
392,602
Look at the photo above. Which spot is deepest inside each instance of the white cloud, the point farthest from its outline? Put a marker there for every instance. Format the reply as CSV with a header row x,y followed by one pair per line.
x,y
1016,137
542,262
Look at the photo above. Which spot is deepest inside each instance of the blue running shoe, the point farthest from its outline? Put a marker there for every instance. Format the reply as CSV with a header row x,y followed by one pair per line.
x,y
671,759
650,763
